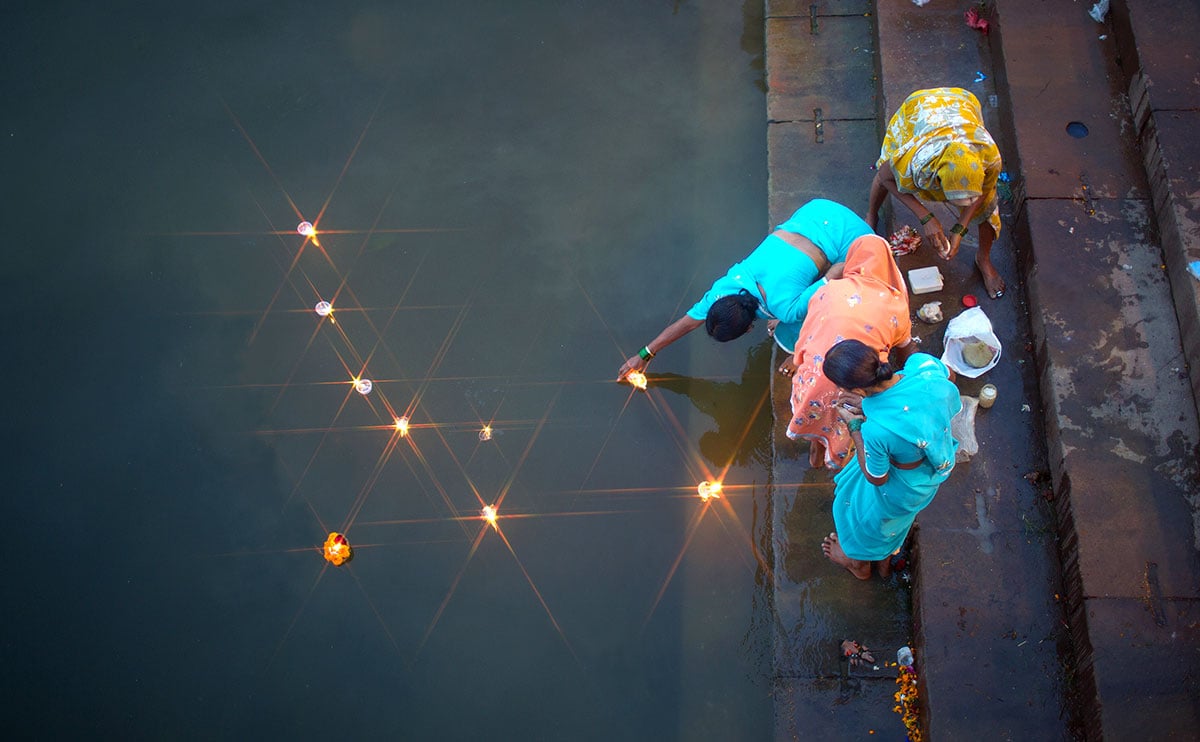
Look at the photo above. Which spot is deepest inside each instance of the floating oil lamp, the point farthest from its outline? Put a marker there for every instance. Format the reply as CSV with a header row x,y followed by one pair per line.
x,y
402,426
323,309
489,515
486,433
709,490
637,378
337,549
363,386
306,229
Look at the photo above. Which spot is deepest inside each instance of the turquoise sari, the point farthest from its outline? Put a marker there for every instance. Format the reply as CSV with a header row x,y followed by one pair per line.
x,y
908,422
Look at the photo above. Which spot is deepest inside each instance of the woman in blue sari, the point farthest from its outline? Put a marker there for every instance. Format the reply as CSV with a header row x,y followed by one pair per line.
x,y
900,423
774,283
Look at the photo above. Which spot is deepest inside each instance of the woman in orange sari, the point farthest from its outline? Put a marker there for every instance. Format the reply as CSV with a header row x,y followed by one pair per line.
x,y
868,303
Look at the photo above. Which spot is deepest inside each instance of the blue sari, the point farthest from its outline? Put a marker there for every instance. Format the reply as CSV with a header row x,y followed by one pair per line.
x,y
910,421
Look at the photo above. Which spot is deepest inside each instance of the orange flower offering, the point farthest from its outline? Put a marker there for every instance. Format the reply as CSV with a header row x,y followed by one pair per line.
x,y
906,703
337,549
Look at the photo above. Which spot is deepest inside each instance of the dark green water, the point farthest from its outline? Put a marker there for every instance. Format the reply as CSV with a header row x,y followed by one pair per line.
x,y
513,197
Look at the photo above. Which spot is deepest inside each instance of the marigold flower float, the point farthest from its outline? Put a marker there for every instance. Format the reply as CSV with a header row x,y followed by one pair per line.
x,y
337,549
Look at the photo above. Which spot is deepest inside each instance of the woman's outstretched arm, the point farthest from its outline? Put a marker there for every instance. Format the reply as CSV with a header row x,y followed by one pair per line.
x,y
670,334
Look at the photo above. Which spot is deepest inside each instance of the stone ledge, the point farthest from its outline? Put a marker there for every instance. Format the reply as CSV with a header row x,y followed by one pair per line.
x,y
1129,635
1149,35
810,9
1112,387
985,618
1171,155
845,55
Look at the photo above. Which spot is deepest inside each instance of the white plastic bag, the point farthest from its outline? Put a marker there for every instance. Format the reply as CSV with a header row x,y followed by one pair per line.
x,y
966,328
962,427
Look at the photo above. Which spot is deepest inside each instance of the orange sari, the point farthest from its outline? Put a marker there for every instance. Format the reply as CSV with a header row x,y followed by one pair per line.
x,y
869,303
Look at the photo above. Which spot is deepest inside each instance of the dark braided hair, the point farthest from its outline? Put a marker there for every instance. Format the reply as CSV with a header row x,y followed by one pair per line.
x,y
731,316
852,364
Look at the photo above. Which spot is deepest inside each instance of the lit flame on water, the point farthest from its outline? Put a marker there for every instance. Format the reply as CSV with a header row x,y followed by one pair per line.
x,y
485,435
306,229
637,379
323,309
489,515
337,549
363,386
402,426
709,490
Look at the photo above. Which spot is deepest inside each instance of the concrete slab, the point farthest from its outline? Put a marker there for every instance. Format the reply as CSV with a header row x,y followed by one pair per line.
x,y
802,168
822,142
833,70
1172,156
912,35
986,568
1121,421
991,631
1149,33
998,490
1086,88
1144,657
819,604
818,8
1114,385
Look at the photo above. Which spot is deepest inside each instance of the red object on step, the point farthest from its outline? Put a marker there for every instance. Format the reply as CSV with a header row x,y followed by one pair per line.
x,y
976,21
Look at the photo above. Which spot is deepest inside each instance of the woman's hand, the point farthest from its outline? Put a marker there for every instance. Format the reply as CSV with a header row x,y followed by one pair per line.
x,y
771,325
848,407
633,363
933,235
952,250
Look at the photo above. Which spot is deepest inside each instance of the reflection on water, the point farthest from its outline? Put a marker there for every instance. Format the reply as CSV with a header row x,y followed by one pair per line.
x,y
495,191
740,410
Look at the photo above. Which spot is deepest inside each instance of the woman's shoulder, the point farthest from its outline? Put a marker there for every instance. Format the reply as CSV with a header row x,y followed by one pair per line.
x,y
921,361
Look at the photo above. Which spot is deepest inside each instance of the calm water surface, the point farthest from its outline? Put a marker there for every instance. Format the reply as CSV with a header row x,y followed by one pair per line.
x,y
512,198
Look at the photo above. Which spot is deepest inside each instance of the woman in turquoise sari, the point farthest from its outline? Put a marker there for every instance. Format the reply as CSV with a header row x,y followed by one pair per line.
x,y
900,423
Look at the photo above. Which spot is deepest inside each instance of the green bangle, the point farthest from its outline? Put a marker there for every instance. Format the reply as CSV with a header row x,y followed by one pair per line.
x,y
645,353
925,219
958,229
854,424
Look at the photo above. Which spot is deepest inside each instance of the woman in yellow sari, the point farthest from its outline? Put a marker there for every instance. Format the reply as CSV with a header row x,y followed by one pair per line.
x,y
937,149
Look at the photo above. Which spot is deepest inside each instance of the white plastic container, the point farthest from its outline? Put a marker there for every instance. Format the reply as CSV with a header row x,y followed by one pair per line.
x,y
925,280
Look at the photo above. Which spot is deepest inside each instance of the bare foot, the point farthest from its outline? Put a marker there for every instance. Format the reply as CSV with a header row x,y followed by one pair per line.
x,y
991,278
788,367
885,567
816,453
833,550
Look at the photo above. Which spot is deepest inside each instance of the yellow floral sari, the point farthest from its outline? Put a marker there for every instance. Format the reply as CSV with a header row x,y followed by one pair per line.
x,y
939,150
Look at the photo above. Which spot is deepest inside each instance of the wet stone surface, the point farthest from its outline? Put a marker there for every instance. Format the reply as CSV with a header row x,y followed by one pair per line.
x,y
832,70
844,154
817,603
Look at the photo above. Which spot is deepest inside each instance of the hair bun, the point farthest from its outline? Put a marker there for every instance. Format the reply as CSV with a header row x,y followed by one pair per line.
x,y
747,300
